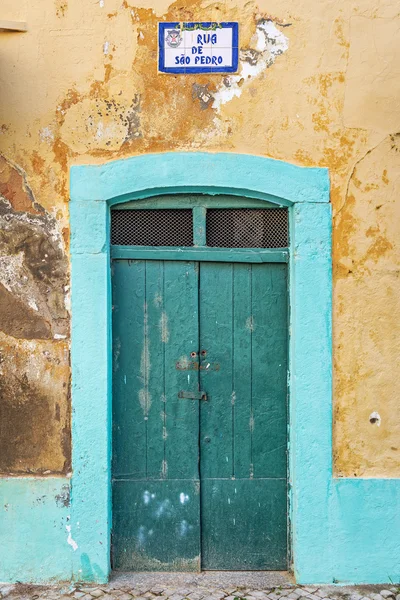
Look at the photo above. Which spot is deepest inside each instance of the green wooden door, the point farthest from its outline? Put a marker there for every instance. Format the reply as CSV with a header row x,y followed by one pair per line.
x,y
156,490
243,426
199,483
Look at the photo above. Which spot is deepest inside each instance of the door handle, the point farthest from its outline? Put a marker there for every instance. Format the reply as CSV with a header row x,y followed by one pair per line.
x,y
192,395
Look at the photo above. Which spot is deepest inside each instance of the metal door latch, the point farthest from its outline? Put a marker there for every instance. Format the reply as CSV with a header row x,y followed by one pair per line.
x,y
192,395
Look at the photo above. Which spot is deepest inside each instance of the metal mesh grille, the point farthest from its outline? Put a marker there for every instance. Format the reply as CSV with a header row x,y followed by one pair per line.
x,y
247,228
164,227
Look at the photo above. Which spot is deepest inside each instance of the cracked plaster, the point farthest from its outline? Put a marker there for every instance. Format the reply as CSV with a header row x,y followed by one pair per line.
x,y
331,99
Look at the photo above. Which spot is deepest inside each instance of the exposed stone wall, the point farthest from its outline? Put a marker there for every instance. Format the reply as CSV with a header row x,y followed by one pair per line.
x,y
318,85
34,355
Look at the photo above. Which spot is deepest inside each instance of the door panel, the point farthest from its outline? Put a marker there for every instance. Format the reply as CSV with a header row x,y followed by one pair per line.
x,y
156,525
181,338
241,382
216,433
243,426
129,426
269,370
155,434
243,524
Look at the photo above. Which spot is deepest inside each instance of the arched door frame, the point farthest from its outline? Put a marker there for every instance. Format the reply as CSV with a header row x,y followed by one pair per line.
x,y
94,189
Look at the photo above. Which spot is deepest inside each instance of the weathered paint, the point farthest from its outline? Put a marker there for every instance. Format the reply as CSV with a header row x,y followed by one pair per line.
x,y
311,466
310,401
367,332
34,516
155,444
230,457
310,79
34,365
236,175
203,254
34,418
314,105
243,446
313,498
274,181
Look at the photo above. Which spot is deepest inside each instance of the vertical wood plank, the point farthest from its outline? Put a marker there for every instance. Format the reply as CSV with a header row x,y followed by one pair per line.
x,y
129,427
182,415
244,524
269,370
241,395
157,337
216,339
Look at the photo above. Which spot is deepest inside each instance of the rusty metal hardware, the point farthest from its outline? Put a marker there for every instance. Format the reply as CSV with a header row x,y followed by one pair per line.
x,y
192,395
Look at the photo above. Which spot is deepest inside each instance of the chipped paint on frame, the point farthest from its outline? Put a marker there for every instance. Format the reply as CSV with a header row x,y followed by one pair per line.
x,y
229,173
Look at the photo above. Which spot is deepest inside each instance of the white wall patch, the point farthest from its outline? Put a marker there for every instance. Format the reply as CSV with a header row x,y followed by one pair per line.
x,y
269,43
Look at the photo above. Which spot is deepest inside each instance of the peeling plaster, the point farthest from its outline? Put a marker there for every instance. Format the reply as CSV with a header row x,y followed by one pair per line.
x,y
34,376
46,135
71,541
268,43
33,267
202,93
34,408
314,105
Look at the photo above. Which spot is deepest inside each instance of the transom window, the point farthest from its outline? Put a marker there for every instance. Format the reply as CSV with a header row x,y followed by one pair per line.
x,y
237,225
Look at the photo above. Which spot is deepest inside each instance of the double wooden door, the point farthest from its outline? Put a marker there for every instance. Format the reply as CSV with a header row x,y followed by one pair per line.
x,y
199,415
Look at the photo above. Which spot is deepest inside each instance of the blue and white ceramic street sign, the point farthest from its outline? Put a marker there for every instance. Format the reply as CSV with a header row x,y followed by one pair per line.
x,y
198,47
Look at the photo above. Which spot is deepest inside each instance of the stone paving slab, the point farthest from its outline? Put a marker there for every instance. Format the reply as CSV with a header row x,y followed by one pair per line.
x,y
203,586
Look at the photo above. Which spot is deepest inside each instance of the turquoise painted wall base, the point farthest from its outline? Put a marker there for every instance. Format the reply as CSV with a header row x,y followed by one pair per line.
x,y
361,543
362,535
35,544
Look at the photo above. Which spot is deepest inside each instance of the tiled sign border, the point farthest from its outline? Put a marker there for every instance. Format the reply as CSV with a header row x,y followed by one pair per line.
x,y
207,69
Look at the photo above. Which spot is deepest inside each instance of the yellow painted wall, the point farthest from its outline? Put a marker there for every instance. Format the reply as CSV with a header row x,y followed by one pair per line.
x,y
318,84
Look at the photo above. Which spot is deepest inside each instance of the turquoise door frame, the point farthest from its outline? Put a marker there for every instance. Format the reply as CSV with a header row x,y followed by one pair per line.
x,y
94,189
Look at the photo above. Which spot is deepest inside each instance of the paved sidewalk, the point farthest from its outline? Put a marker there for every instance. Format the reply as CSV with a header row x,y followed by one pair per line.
x,y
203,586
